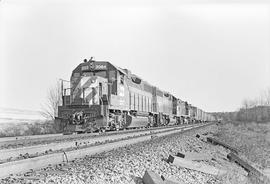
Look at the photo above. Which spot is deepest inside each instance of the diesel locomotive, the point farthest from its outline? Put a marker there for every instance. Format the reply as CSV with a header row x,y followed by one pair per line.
x,y
103,97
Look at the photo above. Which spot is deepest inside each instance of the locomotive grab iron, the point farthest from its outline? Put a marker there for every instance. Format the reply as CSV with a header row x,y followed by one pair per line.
x,y
103,96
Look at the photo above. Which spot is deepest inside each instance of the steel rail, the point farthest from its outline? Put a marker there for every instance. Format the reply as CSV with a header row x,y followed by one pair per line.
x,y
60,137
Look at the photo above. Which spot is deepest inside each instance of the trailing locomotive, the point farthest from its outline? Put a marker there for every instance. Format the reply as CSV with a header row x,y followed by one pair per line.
x,y
103,96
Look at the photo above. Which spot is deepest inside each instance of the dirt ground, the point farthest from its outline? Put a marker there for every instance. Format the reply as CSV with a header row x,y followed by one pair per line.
x,y
253,141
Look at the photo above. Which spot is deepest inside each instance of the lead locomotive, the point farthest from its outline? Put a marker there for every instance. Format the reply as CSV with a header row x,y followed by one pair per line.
x,y
103,96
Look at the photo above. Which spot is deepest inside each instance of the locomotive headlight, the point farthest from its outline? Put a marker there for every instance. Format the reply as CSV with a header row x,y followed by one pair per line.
x,y
92,66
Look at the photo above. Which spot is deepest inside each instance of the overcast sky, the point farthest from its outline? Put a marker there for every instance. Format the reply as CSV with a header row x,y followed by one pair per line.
x,y
211,54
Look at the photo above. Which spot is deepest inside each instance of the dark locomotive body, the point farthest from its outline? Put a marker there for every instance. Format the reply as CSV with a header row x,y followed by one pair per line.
x,y
102,96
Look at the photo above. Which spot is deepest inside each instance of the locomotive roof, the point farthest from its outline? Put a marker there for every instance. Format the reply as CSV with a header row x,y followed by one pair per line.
x,y
124,71
78,67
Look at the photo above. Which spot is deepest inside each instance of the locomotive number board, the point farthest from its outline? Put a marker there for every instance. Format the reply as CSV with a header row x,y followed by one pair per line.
x,y
94,66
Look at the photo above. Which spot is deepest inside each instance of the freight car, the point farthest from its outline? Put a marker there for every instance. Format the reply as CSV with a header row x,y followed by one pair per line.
x,y
103,97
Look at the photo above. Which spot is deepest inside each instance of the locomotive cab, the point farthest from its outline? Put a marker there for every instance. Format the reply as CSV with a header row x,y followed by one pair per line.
x,y
85,103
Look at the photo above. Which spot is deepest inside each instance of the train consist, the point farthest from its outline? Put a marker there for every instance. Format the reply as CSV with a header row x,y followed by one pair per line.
x,y
103,96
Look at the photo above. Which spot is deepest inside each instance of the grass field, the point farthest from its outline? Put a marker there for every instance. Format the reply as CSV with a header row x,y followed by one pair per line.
x,y
253,141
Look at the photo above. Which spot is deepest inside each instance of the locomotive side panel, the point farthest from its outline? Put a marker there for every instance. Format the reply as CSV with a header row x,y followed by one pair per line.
x,y
193,112
120,96
183,109
179,108
167,104
175,105
140,96
157,100
159,103
139,100
199,114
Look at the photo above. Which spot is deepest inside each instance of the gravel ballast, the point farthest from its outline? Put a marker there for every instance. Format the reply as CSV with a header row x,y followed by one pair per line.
x,y
128,164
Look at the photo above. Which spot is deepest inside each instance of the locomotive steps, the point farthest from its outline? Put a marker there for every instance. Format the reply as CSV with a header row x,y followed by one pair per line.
x,y
20,166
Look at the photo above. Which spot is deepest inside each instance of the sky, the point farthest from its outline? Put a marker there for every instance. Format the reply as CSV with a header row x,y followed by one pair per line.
x,y
212,55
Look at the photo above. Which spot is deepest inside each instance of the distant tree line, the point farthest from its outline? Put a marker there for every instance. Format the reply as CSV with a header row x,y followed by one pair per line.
x,y
37,128
257,109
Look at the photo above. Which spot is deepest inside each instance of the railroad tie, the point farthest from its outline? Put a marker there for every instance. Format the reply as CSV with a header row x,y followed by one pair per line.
x,y
194,156
247,167
217,142
189,164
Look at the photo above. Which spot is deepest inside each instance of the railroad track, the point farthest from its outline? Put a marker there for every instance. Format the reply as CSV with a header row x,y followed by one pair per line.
x,y
23,141
60,153
38,150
